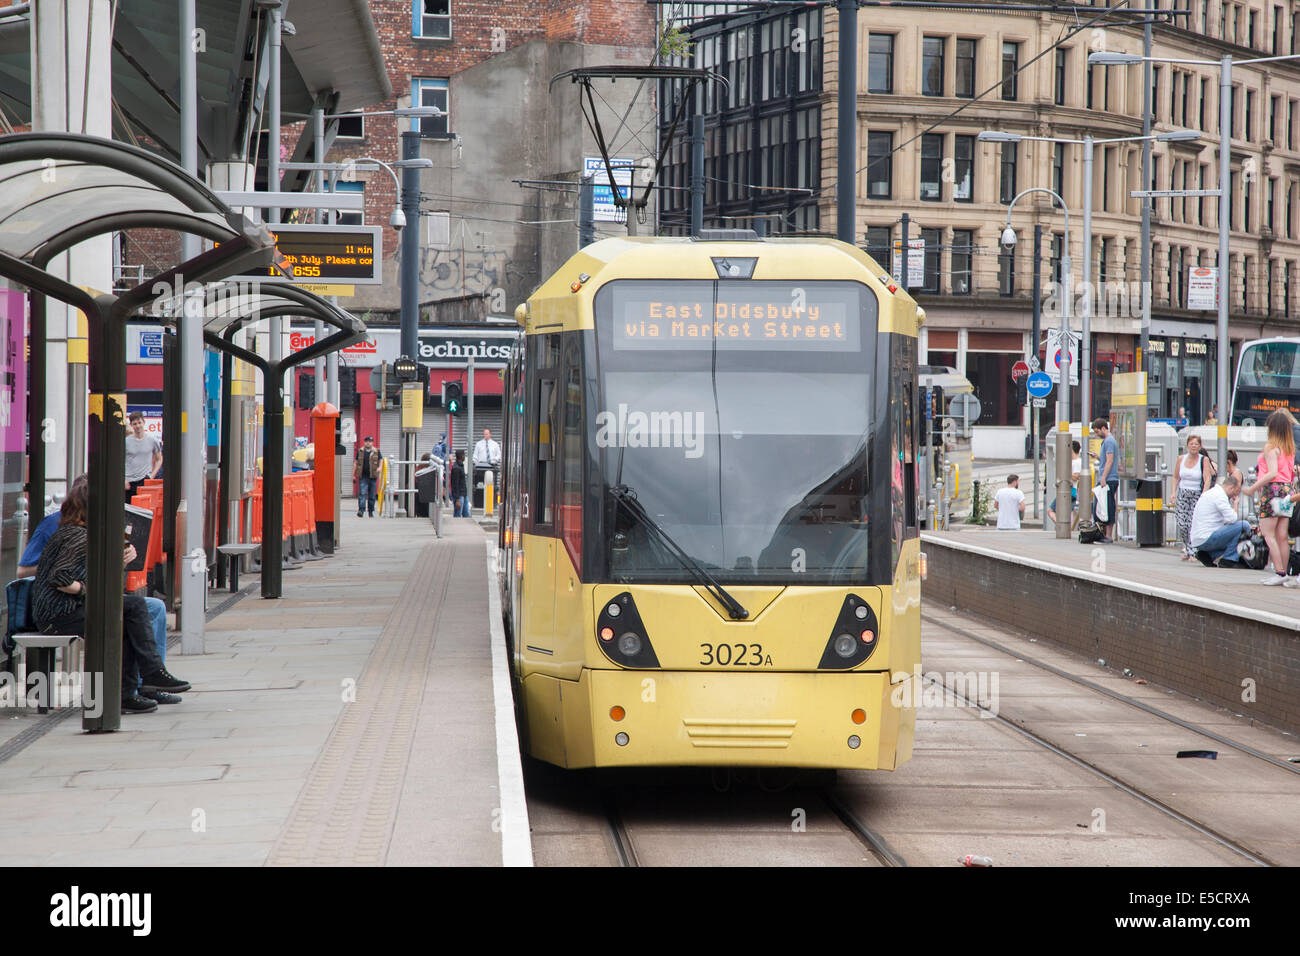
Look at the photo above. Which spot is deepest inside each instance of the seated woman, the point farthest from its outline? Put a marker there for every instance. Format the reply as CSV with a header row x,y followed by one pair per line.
x,y
59,606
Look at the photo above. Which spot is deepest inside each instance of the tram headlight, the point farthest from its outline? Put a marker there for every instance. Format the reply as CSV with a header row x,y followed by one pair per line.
x,y
621,634
854,636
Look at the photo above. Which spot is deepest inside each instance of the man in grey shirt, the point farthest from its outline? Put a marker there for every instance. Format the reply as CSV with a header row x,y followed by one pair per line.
x,y
143,455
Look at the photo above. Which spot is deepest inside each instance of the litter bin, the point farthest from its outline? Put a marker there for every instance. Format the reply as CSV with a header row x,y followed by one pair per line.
x,y
1150,513
426,490
476,493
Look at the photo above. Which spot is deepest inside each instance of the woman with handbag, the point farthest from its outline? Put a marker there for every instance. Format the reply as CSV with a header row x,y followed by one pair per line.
x,y
1276,471
1194,478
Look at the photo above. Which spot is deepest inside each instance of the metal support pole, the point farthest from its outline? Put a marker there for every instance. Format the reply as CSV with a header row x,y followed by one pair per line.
x,y
469,431
587,211
106,519
192,460
1033,349
902,255
226,532
1085,347
1142,363
273,481
697,174
410,262
1063,400
318,152
1225,164
276,352
847,127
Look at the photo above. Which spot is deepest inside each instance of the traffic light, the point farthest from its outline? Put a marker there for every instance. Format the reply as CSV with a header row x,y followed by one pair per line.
x,y
1022,390
307,390
939,409
453,398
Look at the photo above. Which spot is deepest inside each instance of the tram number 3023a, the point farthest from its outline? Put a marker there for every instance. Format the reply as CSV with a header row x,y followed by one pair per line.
x,y
744,654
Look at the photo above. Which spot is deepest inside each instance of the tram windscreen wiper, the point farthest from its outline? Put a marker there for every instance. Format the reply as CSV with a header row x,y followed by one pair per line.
x,y
626,497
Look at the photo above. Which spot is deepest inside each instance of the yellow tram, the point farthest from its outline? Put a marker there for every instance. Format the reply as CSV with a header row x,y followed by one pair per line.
x,y
709,546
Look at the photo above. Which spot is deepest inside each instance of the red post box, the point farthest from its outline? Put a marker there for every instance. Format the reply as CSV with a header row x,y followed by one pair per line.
x,y
324,434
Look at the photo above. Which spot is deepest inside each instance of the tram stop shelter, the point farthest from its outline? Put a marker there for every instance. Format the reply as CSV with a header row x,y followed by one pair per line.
x,y
61,189
235,305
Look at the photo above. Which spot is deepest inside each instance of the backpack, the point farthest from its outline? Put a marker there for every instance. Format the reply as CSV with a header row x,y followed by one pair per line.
x,y
19,620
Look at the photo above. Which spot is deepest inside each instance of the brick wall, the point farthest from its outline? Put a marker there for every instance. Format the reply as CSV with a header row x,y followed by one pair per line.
x,y
1184,646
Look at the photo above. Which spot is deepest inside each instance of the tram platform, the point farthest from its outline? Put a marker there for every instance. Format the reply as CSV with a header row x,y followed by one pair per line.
x,y
1217,634
364,718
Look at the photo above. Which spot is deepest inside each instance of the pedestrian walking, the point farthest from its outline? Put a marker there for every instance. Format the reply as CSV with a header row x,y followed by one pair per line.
x,y
1276,479
459,499
1108,475
365,469
1194,479
1011,504
144,456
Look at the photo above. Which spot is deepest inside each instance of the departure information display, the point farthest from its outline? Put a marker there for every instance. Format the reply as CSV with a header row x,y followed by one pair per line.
x,y
324,254
736,315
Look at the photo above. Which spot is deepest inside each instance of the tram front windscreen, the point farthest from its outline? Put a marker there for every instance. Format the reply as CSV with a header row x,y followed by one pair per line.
x,y
1268,378
739,417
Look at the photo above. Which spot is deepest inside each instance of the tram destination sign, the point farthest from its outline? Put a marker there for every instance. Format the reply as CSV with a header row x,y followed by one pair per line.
x,y
318,254
774,317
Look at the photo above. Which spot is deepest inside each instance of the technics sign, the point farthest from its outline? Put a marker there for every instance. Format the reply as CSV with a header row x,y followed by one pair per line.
x,y
317,255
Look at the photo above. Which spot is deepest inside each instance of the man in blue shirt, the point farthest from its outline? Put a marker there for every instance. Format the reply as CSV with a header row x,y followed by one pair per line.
x,y
27,565
1108,474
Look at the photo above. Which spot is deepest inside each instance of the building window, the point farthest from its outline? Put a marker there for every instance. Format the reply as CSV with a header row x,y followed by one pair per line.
x,y
932,49
933,239
1254,20
1277,31
1232,204
431,19
962,243
1006,271
880,243
1268,204
1107,157
1290,200
1060,76
1274,107
1155,92
931,163
880,165
966,68
1007,192
1205,95
351,127
1187,97
1200,200
1268,287
1103,257
880,64
1091,74
1250,115
349,218
1010,65
1290,124
430,92
1245,203
1058,169
1286,288
963,150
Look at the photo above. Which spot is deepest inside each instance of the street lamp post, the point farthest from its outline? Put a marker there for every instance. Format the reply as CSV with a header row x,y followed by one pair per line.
x,y
1087,298
1063,391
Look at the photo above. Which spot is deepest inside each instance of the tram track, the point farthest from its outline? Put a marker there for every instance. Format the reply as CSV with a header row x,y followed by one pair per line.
x,y
1137,792
876,844
620,840
1121,698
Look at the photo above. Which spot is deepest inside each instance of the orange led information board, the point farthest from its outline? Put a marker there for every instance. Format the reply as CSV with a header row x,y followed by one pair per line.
x,y
351,255
737,315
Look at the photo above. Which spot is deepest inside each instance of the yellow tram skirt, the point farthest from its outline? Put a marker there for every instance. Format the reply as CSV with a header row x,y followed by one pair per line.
x,y
727,718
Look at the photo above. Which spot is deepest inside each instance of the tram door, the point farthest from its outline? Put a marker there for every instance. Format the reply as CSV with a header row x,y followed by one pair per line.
x,y
538,501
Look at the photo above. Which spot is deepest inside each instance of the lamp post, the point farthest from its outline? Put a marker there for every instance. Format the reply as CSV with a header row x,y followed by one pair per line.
x,y
1222,344
1063,391
1085,304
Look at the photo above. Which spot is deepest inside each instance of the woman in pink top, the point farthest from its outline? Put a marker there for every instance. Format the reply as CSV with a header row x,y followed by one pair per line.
x,y
1276,475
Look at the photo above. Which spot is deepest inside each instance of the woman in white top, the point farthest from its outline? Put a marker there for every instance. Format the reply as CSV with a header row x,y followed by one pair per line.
x,y
1194,477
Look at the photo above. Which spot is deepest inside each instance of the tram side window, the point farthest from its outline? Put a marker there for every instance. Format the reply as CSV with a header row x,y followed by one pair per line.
x,y
545,430
571,449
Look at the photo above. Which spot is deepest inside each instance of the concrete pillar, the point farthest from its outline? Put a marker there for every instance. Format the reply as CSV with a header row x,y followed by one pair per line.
x,y
71,84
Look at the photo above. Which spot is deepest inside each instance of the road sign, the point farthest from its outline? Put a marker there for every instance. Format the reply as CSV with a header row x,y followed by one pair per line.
x,y
1033,363
1056,356
1040,402
965,406
1203,288
1019,370
1039,386
603,206
1170,193
915,261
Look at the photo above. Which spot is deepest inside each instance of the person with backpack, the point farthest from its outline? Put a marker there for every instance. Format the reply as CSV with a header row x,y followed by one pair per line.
x,y
1276,478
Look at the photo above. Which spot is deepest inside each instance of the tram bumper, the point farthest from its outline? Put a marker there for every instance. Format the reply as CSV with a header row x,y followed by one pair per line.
x,y
854,720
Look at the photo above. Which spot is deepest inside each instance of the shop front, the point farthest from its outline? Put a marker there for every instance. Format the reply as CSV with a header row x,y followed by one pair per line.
x,y
1181,384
